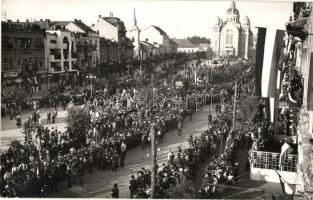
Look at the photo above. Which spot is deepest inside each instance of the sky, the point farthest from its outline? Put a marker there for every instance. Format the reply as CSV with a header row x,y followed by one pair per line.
x,y
179,19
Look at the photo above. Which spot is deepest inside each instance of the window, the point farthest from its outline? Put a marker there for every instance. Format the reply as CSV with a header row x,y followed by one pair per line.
x,y
40,61
19,61
66,65
229,38
53,41
65,40
5,62
10,62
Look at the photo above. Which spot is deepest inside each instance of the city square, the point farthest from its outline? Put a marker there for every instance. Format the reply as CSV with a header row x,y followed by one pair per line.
x,y
160,99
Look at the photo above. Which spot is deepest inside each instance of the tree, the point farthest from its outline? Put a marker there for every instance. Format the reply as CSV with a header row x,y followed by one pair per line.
x,y
13,94
198,40
78,120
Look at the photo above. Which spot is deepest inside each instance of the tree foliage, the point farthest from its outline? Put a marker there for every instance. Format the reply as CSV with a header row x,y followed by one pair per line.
x,y
52,90
78,120
13,94
198,40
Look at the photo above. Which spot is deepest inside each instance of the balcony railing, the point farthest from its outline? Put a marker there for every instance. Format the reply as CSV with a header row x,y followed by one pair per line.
x,y
74,55
270,160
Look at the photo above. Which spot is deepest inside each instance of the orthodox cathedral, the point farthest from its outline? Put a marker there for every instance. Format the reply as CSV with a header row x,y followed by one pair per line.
x,y
232,37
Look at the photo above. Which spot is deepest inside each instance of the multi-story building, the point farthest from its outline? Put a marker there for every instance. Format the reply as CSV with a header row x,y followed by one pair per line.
x,y
157,36
300,27
87,43
61,51
232,37
23,52
108,51
184,45
113,28
293,112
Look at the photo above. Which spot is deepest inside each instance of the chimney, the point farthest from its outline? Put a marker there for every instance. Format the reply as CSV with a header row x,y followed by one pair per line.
x,y
99,16
9,20
17,21
92,25
47,21
27,21
41,20
80,20
75,20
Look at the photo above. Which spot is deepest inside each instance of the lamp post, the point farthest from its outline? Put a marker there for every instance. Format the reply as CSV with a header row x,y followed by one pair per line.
x,y
234,111
211,95
154,160
153,95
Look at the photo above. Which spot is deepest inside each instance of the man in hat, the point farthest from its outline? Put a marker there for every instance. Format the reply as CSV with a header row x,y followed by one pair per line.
x,y
123,153
115,191
133,186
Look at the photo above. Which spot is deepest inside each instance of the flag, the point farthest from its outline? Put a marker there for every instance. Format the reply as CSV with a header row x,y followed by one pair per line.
x,y
268,49
285,186
285,151
310,86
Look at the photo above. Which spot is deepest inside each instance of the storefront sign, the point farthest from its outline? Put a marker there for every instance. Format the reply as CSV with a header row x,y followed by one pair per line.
x,y
9,74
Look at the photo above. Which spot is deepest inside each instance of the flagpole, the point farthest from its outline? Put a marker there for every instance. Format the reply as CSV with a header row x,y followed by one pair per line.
x,y
235,104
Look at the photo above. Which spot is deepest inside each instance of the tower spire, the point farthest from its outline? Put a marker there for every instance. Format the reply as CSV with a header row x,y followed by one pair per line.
x,y
135,20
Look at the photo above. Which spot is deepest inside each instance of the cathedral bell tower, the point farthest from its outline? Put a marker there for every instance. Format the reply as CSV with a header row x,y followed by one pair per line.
x,y
134,34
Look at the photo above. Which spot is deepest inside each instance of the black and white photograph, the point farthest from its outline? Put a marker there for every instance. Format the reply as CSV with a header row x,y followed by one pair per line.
x,y
159,99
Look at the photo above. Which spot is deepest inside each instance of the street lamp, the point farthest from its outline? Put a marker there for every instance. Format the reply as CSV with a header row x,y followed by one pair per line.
x,y
91,77
154,160
153,95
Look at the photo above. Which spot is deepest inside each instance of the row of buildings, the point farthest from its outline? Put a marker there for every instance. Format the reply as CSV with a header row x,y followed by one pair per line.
x,y
44,49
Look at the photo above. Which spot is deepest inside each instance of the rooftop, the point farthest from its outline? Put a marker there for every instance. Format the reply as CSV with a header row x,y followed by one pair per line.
x,y
184,43
20,26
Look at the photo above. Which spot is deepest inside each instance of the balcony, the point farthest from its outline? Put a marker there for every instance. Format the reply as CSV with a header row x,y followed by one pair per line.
x,y
74,55
56,67
65,54
55,56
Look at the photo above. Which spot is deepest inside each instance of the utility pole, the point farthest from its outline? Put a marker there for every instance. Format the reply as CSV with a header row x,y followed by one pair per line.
x,y
211,100
235,104
154,156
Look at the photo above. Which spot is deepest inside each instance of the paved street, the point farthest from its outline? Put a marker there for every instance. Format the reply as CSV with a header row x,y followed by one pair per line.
x,y
10,132
99,183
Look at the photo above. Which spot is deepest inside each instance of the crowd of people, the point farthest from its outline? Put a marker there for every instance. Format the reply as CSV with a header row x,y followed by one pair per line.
x,y
184,165
120,122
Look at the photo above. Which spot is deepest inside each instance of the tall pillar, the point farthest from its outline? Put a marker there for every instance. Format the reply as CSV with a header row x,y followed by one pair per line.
x,y
246,45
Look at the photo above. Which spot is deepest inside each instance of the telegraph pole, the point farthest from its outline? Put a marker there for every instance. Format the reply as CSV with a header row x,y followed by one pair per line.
x,y
211,100
235,104
154,156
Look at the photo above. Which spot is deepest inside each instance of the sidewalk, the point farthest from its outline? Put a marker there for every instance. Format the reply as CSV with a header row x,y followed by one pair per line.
x,y
7,124
99,183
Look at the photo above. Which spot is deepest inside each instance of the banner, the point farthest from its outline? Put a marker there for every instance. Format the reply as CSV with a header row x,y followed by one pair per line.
x,y
268,49
285,186
310,86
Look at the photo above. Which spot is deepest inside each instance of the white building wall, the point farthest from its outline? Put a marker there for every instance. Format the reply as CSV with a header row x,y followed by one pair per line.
x,y
106,30
152,35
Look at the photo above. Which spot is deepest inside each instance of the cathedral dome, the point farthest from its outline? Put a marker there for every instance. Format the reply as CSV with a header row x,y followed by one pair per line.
x,y
232,14
218,21
246,21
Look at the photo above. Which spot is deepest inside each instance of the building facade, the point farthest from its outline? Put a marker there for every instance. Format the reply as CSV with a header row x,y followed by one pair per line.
x,y
300,27
23,52
232,37
157,36
87,43
184,45
134,34
61,51
113,28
